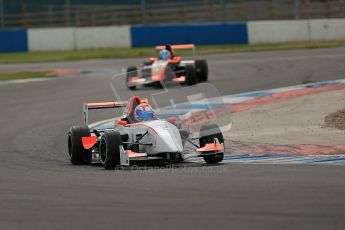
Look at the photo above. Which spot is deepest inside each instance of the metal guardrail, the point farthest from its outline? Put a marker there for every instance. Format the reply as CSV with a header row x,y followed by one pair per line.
x,y
33,15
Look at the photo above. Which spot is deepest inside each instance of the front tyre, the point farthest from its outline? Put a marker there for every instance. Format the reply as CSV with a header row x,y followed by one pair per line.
x,y
78,155
207,134
110,149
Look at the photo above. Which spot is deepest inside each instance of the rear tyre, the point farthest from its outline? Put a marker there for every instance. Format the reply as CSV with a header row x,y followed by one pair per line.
x,y
207,135
110,149
147,63
190,75
78,155
201,69
131,72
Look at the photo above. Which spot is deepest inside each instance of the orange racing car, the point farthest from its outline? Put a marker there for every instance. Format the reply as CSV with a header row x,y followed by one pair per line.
x,y
167,67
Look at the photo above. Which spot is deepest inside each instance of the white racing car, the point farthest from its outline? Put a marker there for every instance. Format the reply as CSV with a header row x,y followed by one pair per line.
x,y
131,139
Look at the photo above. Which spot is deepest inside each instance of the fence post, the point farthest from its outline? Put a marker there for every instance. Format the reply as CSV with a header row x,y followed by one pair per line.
x,y
2,14
222,4
25,22
143,12
68,12
296,6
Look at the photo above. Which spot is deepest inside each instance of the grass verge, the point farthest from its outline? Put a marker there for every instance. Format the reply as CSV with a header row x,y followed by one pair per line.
x,y
22,75
55,56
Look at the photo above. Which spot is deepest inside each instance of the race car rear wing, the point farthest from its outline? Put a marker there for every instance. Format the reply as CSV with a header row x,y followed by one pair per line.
x,y
100,105
179,47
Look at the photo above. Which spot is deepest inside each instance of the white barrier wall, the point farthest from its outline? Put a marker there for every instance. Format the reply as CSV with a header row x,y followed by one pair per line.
x,y
295,30
102,37
78,38
51,39
277,31
327,29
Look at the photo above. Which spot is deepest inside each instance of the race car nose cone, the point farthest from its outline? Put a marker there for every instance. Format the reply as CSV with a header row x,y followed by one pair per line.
x,y
173,143
168,137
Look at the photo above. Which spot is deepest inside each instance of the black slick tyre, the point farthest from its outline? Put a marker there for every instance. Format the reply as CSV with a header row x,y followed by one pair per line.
x,y
201,69
78,155
190,75
109,149
147,63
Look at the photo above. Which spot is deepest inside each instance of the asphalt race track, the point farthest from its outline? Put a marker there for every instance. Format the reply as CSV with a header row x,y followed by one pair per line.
x,y
40,189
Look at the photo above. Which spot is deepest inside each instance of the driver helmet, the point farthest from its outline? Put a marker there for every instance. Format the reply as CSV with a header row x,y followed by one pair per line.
x,y
164,54
143,112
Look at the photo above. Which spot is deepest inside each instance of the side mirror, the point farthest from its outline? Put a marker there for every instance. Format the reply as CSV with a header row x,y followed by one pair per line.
x,y
121,122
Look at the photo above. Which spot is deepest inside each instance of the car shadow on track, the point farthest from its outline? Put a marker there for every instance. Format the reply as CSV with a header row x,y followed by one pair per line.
x,y
153,166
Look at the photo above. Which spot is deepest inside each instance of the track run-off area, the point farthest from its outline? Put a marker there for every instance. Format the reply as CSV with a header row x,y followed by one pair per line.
x,y
288,186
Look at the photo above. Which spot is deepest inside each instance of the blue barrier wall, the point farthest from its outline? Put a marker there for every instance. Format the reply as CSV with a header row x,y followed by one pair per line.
x,y
199,34
13,40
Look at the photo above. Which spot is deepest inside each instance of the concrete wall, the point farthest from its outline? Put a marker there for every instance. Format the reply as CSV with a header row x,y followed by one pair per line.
x,y
78,38
327,29
51,39
102,37
253,32
296,30
278,31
